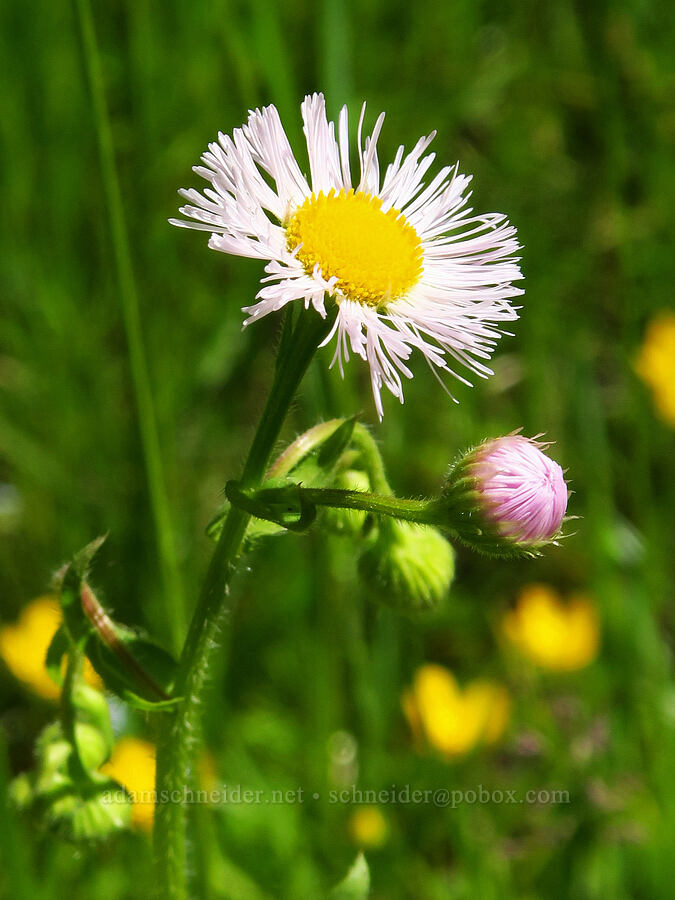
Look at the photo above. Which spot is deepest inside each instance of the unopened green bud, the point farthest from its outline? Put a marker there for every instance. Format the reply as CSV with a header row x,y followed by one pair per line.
x,y
93,731
91,814
52,782
92,746
347,521
80,803
100,816
52,749
66,790
21,791
408,567
54,754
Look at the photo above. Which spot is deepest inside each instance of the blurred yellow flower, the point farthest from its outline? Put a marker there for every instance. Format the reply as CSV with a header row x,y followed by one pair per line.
x,y
455,720
656,364
557,635
24,647
368,827
132,763
207,772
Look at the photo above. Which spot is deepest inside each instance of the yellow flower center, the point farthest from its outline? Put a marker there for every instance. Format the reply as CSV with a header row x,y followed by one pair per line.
x,y
376,256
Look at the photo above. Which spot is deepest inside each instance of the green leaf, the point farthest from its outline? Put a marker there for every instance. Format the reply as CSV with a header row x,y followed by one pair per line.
x,y
356,884
75,573
149,705
77,569
135,668
215,526
154,659
83,559
130,664
332,449
304,446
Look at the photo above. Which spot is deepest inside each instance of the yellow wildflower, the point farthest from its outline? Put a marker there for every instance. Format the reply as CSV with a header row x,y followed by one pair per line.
x,y
656,364
557,635
132,764
368,827
455,720
24,647
207,772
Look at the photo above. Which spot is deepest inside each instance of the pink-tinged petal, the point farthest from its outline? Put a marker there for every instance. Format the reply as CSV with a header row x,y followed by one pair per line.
x,y
523,491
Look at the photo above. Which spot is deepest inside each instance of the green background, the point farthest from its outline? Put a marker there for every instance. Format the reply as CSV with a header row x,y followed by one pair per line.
x,y
564,114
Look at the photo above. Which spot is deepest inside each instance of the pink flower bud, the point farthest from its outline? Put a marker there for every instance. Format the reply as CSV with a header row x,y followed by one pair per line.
x,y
522,491
505,497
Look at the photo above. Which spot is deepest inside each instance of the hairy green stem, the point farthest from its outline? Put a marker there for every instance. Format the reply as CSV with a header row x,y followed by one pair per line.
x,y
74,667
277,504
18,868
145,407
363,440
410,510
181,727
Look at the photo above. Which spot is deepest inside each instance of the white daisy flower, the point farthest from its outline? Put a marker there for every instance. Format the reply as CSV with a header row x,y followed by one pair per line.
x,y
408,265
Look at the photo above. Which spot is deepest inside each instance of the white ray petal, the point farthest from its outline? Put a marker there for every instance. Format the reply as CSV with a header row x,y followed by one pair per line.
x,y
465,295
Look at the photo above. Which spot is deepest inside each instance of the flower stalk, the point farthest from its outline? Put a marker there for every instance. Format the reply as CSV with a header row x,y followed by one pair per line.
x,y
181,728
290,506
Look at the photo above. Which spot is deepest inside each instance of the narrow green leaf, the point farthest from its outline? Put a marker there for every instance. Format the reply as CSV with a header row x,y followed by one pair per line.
x,y
125,659
215,526
84,558
333,448
135,668
149,705
155,660
356,884
75,573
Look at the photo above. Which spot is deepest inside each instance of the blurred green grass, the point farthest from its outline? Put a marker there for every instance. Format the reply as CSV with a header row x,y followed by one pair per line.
x,y
565,116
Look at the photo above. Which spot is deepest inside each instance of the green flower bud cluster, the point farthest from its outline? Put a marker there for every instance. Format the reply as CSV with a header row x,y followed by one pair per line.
x,y
405,566
66,791
81,805
503,498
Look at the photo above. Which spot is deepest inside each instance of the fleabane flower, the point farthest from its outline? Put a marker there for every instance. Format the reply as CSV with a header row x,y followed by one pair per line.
x,y
408,265
505,497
